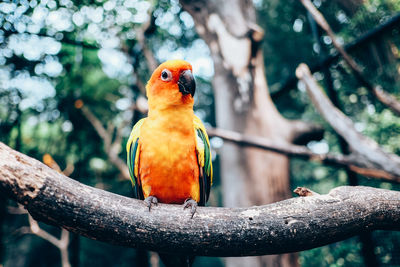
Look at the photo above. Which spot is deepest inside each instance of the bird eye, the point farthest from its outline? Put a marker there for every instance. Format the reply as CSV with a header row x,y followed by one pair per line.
x,y
166,75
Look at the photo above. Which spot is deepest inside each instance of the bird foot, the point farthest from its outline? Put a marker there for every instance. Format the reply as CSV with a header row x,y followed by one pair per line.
x,y
151,200
192,204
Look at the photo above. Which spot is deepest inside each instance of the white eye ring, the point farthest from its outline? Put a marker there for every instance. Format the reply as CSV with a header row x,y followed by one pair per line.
x,y
166,75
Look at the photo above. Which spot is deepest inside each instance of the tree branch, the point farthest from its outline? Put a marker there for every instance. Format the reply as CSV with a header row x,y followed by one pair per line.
x,y
386,98
35,229
111,147
61,244
291,225
304,132
355,163
366,149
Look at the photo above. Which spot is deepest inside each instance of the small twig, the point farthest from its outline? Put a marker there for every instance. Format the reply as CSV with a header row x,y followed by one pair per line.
x,y
154,259
64,242
36,230
49,161
386,98
61,244
69,169
24,230
303,132
304,192
16,210
97,125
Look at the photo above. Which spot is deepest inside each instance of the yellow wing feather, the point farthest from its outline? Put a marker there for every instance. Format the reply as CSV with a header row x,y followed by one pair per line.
x,y
134,136
203,148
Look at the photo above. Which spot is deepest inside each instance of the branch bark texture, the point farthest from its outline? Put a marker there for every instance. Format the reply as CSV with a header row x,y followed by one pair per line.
x,y
286,226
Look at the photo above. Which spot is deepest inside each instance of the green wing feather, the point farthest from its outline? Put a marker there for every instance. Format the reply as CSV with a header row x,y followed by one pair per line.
x,y
133,150
204,158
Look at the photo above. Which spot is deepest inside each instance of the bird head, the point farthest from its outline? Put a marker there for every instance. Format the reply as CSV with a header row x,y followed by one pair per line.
x,y
172,84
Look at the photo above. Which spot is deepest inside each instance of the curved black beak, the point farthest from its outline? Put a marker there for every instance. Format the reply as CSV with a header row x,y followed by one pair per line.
x,y
186,83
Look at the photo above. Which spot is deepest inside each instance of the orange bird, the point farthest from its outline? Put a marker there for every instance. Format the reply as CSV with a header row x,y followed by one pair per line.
x,y
169,155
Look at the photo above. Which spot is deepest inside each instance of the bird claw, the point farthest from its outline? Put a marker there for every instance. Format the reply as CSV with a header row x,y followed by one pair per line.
x,y
190,203
151,200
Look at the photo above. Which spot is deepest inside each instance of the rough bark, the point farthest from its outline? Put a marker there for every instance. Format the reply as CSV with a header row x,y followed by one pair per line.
x,y
287,226
242,102
365,148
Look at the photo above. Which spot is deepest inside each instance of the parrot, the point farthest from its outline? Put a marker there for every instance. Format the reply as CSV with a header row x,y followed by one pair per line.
x,y
168,152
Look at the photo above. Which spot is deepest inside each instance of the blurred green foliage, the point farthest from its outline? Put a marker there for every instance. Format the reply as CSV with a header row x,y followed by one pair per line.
x,y
92,54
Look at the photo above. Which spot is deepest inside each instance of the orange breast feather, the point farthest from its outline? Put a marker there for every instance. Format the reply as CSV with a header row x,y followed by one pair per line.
x,y
168,166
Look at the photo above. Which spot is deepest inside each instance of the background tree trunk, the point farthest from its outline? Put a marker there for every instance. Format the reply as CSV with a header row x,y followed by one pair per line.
x,y
249,176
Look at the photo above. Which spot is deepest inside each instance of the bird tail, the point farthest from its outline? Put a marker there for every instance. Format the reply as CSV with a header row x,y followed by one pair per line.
x,y
170,260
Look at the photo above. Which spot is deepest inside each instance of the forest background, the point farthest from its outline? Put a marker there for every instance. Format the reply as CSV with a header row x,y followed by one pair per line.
x,y
72,76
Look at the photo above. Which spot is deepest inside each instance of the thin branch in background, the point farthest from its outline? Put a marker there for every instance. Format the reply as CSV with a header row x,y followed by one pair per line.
x,y
61,244
154,259
49,161
305,192
355,163
364,149
386,98
34,228
303,132
16,210
111,147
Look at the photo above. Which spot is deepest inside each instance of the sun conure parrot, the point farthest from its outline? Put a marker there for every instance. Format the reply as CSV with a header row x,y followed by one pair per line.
x,y
169,155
